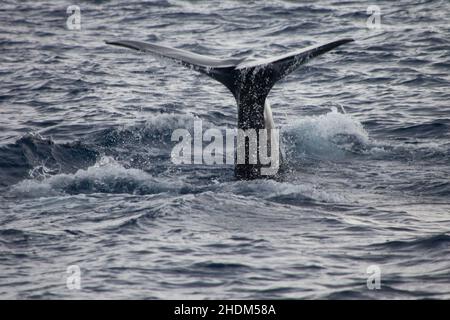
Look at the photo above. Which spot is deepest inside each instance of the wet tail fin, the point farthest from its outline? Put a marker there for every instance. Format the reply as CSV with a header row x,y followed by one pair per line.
x,y
232,72
249,81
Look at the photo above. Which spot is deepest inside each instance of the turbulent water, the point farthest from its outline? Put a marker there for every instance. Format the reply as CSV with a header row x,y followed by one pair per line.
x,y
86,177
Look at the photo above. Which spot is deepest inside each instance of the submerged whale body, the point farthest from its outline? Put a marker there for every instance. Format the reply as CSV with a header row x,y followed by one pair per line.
x,y
249,81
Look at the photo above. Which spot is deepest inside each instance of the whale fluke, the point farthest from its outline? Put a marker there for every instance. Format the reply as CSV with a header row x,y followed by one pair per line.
x,y
249,81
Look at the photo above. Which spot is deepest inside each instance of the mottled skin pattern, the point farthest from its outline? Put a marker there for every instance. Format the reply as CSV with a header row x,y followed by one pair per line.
x,y
251,96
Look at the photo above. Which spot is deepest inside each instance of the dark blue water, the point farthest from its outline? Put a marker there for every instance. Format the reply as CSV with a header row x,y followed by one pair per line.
x,y
86,177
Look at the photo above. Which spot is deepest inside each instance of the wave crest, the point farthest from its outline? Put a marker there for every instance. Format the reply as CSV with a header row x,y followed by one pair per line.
x,y
331,135
106,176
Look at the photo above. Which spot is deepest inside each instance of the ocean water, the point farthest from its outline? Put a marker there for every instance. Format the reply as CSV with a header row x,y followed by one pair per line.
x,y
87,182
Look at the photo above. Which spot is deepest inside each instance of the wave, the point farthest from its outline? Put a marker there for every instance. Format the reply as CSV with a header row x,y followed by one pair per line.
x,y
436,129
106,176
18,237
329,136
34,155
156,130
431,242
142,155
284,192
109,176
336,136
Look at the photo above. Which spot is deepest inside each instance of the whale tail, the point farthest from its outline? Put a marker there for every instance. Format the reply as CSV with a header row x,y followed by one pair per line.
x,y
249,81
233,72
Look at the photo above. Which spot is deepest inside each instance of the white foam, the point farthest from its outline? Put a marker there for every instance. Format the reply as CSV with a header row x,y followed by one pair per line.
x,y
105,176
319,135
270,189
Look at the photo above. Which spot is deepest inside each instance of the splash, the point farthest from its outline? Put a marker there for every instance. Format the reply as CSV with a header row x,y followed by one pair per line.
x,y
329,136
106,176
